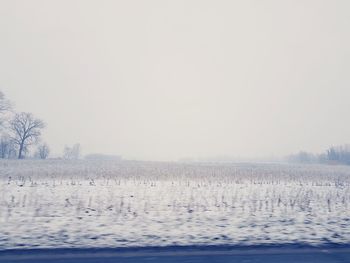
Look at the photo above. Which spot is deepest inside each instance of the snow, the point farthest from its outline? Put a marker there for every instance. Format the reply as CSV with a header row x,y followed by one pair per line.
x,y
61,204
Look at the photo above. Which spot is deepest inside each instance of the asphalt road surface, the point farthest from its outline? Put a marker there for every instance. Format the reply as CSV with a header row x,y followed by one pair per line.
x,y
178,254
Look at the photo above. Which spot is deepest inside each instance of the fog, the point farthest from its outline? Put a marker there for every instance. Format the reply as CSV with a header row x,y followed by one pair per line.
x,y
163,80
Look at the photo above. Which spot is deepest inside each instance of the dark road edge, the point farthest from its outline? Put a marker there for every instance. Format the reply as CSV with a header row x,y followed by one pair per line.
x,y
63,253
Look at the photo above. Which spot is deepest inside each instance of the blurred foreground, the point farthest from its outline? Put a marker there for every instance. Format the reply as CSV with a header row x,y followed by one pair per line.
x,y
186,255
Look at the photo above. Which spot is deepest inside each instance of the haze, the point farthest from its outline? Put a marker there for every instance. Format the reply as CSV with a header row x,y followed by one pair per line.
x,y
162,80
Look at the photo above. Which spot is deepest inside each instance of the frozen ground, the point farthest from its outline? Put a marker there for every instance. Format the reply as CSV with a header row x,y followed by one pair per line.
x,y
61,204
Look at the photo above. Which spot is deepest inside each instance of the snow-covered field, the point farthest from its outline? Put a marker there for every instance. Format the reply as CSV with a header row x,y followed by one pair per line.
x,y
116,204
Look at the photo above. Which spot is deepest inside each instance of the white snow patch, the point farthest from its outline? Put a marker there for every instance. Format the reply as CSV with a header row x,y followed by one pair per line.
x,y
118,204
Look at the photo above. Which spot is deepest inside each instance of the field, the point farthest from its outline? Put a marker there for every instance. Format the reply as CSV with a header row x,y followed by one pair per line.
x,y
60,204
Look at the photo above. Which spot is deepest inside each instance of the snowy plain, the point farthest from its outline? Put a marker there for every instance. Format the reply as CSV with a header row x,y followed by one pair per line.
x,y
82,204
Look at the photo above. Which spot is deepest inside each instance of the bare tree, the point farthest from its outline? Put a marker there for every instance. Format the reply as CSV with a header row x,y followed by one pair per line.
x,y
339,154
72,153
5,107
26,130
7,148
43,151
5,104
4,146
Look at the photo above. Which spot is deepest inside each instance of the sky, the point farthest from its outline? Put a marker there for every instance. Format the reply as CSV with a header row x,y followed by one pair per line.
x,y
163,80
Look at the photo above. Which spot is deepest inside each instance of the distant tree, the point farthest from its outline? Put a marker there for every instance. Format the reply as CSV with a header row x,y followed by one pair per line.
x,y
339,154
4,147
5,107
5,104
322,158
43,151
72,153
26,131
344,153
302,157
332,154
7,148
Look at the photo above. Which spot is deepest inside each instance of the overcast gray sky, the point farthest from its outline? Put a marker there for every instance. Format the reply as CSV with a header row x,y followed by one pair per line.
x,y
164,79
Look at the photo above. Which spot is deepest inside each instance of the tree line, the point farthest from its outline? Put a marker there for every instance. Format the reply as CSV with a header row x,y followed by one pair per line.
x,y
333,155
21,131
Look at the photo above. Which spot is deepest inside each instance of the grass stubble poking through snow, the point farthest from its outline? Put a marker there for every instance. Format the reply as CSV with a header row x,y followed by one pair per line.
x,y
117,204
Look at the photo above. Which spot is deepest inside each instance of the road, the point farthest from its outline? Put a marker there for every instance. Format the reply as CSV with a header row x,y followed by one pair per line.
x,y
178,254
